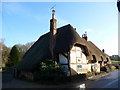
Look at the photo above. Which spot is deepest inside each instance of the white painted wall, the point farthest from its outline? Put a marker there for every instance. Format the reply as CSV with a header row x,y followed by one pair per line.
x,y
73,57
74,67
78,60
96,67
89,67
76,55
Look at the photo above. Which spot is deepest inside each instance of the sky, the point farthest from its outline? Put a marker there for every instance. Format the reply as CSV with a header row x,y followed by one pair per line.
x,y
24,22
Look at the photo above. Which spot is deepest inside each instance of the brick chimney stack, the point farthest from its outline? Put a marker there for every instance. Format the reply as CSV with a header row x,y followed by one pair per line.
x,y
85,36
53,31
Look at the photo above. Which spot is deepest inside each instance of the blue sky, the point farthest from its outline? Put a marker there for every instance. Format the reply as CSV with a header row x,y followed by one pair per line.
x,y
24,22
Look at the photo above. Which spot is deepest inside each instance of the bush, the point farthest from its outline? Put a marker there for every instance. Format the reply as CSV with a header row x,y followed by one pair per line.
x,y
113,68
49,71
105,68
89,74
117,66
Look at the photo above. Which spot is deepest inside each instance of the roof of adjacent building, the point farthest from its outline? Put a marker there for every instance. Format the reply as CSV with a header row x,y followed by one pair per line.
x,y
66,38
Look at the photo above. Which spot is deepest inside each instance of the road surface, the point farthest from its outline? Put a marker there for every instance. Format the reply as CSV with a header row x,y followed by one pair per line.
x,y
111,80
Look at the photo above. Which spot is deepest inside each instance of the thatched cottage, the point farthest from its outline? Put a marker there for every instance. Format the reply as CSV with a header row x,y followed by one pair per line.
x,y
77,55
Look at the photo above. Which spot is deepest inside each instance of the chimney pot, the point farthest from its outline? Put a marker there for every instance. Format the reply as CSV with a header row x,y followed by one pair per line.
x,y
103,50
85,36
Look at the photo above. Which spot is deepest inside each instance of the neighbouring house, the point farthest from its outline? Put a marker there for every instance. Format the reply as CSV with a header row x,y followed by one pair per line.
x,y
115,57
76,54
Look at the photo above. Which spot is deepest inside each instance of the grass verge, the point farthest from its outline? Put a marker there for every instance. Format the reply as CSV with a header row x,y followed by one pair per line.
x,y
115,61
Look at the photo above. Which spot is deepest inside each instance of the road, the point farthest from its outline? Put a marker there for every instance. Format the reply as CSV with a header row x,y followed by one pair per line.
x,y
108,81
112,80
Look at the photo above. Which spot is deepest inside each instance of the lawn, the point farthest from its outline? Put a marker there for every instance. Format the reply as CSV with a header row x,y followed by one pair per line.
x,y
115,61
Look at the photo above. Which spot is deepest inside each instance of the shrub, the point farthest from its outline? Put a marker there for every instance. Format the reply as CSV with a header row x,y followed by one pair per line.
x,y
49,70
113,68
117,66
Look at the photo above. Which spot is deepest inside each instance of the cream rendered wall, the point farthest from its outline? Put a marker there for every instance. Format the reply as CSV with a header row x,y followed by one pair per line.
x,y
84,59
76,55
73,69
78,59
84,69
96,67
109,62
89,67
73,55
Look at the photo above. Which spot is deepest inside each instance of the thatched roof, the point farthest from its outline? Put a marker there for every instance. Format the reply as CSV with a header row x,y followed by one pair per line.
x,y
66,37
94,50
37,53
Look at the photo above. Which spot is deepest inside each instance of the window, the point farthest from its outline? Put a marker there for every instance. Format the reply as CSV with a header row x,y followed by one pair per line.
x,y
79,68
107,59
94,58
101,58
